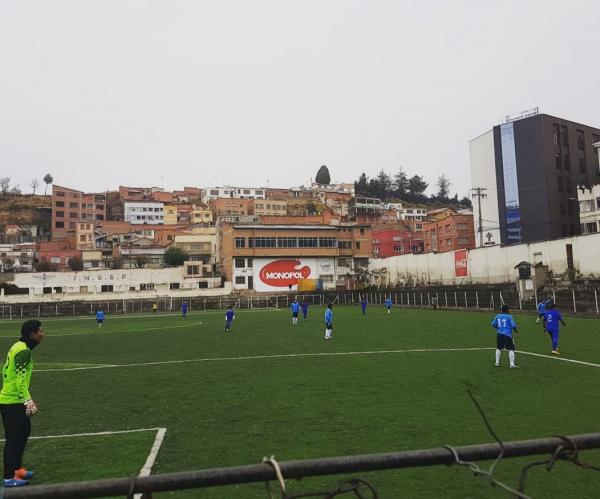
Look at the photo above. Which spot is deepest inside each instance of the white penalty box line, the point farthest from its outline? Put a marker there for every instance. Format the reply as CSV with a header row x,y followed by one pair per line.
x,y
314,354
150,460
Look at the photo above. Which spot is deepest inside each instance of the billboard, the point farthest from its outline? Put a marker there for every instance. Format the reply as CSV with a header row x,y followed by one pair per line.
x,y
460,263
283,274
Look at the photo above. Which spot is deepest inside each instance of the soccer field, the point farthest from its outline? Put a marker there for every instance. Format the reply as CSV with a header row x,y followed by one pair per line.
x,y
271,388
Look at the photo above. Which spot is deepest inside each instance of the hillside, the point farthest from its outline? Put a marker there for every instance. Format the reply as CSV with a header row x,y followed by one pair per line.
x,y
23,209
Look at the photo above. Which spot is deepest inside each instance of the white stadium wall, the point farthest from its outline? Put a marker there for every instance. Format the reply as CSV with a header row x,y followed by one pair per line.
x,y
493,264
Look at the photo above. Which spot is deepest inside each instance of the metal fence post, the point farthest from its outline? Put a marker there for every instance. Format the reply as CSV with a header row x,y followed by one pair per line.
x,y
466,304
477,299
446,298
574,304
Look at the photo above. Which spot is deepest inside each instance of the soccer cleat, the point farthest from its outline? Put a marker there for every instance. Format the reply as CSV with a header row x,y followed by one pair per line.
x,y
14,482
23,474
514,367
497,364
555,352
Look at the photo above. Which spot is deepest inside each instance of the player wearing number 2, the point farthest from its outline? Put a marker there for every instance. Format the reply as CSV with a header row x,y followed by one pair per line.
x,y
504,324
16,404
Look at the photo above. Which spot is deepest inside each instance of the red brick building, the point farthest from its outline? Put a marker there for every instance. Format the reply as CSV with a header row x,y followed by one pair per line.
x,y
454,231
397,239
70,206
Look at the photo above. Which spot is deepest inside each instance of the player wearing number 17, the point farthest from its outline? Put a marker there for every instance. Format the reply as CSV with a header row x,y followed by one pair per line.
x,y
504,324
16,404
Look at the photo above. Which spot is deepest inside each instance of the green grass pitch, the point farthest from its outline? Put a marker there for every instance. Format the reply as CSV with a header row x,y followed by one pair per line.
x,y
230,399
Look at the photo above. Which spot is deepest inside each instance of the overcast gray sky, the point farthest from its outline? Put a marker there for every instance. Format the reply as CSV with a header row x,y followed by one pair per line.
x,y
189,92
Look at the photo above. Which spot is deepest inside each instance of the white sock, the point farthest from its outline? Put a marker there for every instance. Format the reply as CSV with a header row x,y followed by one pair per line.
x,y
498,352
511,357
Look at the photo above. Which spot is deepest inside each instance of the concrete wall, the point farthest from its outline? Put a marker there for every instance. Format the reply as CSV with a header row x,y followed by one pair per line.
x,y
494,264
89,283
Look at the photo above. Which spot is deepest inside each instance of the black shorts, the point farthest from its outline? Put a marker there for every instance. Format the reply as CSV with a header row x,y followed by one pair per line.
x,y
329,325
294,314
99,321
504,342
541,314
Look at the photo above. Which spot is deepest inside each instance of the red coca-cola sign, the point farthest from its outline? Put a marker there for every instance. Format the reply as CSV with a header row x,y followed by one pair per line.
x,y
460,263
283,273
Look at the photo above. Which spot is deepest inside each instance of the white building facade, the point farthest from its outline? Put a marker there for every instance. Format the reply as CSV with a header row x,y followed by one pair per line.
x,y
231,192
140,212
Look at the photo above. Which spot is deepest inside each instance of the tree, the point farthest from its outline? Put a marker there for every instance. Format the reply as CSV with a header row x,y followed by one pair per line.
x,y
117,262
323,177
16,190
4,185
34,184
361,186
43,266
443,185
466,202
417,186
174,257
48,179
383,184
401,183
75,263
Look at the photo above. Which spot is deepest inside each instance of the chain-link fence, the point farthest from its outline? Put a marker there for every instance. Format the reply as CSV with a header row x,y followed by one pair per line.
x,y
583,302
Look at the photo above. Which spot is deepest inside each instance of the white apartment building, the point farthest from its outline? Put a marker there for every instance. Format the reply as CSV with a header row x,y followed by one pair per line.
x,y
414,214
231,192
141,212
589,208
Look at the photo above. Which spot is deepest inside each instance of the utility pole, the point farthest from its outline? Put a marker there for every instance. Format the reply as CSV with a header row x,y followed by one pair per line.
x,y
477,192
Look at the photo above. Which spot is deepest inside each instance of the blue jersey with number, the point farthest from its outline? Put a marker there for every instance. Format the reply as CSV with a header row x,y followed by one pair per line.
x,y
552,319
295,307
328,315
504,324
100,315
541,307
229,315
388,302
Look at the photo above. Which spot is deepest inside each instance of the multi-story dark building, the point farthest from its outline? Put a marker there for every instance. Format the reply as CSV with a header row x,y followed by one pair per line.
x,y
528,169
70,206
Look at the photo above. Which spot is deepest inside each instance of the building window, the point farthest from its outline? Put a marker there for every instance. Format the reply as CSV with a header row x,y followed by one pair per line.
x,y
60,214
193,270
580,140
59,204
562,207
559,182
357,244
60,194
448,242
240,279
107,288
327,242
308,242
55,259
59,225
287,242
463,240
461,226
72,214
173,285
398,249
582,165
249,264
511,186
214,192
239,263
73,205
362,230
265,242
147,286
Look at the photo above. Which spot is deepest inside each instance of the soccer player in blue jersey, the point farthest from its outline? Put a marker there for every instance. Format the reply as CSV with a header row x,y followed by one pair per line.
x,y
541,309
363,305
504,324
100,316
329,322
295,310
229,317
552,321
184,309
388,304
304,306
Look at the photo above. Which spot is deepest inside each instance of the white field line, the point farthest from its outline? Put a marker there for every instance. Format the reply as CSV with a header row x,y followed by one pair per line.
x,y
558,358
98,330
259,357
92,317
147,468
96,434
